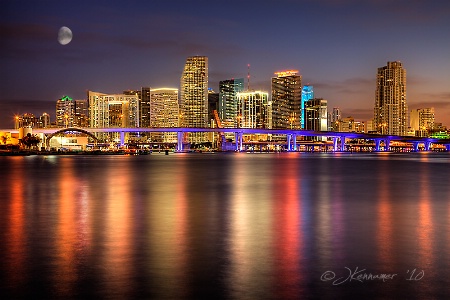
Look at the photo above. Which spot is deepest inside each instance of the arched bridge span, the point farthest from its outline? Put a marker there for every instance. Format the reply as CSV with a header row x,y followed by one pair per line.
x,y
69,129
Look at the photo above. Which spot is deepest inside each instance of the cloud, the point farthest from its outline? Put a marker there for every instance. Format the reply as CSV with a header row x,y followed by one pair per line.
x,y
355,85
435,104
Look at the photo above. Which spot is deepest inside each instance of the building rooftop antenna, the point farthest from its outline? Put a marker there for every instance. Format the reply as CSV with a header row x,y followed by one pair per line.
x,y
248,77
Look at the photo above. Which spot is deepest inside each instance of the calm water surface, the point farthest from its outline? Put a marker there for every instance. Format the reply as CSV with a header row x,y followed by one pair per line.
x,y
226,226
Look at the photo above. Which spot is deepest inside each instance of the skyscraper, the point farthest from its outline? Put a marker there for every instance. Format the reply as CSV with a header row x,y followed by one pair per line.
x,y
115,110
144,104
164,112
307,94
228,104
316,114
422,120
81,118
286,99
65,112
390,112
194,92
254,110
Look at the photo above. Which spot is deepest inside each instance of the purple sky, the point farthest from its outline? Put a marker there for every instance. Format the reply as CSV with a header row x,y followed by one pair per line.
x,y
336,44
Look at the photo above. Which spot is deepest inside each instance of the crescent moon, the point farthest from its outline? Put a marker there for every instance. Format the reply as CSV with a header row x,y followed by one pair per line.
x,y
64,35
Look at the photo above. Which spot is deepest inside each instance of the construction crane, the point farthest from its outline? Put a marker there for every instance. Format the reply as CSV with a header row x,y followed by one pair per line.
x,y
222,139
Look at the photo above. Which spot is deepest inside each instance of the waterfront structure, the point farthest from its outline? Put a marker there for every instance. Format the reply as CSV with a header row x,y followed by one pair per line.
x,y
26,120
254,110
316,114
228,103
194,96
44,121
336,117
421,120
164,112
369,128
307,94
349,124
81,118
390,112
213,105
286,100
194,92
65,112
143,96
71,113
116,110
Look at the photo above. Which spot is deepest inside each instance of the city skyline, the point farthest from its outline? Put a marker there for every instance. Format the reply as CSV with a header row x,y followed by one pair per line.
x,y
337,47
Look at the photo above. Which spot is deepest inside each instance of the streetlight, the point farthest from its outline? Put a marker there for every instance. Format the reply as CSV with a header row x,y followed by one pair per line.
x,y
291,120
16,122
238,118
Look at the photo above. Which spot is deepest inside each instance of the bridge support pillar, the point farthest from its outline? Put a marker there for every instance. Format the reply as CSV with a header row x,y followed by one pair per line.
x,y
342,143
427,145
289,142
179,141
238,139
294,140
415,146
122,138
377,145
335,144
386,144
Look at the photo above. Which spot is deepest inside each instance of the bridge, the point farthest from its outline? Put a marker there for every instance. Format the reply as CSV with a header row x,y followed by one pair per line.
x,y
339,138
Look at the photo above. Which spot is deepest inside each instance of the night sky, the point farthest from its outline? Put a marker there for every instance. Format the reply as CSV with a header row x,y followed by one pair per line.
x,y
337,45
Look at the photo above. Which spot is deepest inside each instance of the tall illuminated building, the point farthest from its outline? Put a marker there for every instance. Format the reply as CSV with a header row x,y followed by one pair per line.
x,y
144,104
390,112
65,112
116,110
194,92
44,120
164,112
194,96
307,94
81,117
27,120
254,110
316,114
228,103
422,120
333,123
286,100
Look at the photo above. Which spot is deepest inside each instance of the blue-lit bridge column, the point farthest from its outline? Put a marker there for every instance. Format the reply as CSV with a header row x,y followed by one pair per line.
x,y
427,145
122,138
415,146
342,143
179,141
447,147
294,138
289,146
238,140
386,144
377,145
335,144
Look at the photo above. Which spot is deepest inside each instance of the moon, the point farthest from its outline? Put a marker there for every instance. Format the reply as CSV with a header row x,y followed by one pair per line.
x,y
64,35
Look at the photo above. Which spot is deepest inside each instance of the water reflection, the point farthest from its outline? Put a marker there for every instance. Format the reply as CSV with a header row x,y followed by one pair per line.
x,y
231,226
15,238
251,213
66,230
287,244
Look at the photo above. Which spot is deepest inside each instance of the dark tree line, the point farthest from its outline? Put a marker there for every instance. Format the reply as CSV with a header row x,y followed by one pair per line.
x,y
30,140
